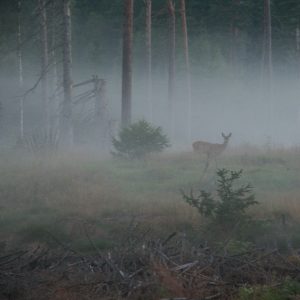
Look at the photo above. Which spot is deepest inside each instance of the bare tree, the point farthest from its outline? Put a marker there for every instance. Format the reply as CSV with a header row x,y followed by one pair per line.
x,y
297,39
297,44
55,80
149,56
66,113
187,66
45,62
268,63
234,31
127,62
20,71
172,44
101,118
267,53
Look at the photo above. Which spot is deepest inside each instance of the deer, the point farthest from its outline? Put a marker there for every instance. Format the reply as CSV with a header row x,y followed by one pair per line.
x,y
211,150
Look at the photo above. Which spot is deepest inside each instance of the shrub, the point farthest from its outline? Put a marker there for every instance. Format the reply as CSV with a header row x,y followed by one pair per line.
x,y
229,210
289,289
138,140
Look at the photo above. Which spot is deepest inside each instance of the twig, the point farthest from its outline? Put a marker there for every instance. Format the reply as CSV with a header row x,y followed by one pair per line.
x,y
213,296
121,273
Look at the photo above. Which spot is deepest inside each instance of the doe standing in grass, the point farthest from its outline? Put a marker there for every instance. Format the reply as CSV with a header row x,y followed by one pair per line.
x,y
211,150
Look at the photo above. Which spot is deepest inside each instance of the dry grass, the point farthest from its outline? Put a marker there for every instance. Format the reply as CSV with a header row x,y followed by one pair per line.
x,y
62,194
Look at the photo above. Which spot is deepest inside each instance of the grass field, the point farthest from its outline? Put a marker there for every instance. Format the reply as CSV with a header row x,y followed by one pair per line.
x,y
62,197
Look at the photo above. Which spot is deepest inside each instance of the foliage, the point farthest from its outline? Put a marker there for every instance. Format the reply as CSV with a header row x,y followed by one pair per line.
x,y
69,188
286,291
212,18
229,210
140,139
236,247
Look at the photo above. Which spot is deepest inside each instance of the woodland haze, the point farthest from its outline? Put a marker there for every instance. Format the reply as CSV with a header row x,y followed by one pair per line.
x,y
149,149
229,78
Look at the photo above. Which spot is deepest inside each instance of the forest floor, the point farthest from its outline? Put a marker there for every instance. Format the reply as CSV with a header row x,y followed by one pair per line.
x,y
75,199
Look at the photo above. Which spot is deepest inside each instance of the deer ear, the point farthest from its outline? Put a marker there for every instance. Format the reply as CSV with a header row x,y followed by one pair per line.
x,y
230,134
223,135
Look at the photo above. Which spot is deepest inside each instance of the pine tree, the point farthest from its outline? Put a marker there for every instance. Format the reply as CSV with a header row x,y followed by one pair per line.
x,y
127,62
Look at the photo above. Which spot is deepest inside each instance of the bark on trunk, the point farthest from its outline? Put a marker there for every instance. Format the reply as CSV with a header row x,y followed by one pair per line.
x,y
54,80
268,66
127,62
171,81
101,119
149,57
268,44
297,39
234,37
66,116
20,71
188,69
45,63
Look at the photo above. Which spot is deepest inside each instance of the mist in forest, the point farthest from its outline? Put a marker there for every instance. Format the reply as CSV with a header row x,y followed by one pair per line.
x,y
228,94
219,104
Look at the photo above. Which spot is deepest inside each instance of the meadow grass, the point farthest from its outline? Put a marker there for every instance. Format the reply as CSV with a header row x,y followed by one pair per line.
x,y
64,196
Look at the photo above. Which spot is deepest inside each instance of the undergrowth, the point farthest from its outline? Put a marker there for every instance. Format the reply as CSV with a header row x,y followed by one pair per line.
x,y
76,189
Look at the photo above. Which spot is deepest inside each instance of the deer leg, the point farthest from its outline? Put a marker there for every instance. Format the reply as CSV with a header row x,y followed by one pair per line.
x,y
207,163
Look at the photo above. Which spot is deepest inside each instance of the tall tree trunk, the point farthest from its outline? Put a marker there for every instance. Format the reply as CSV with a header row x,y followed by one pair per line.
x,y
234,36
20,71
297,39
171,81
55,81
188,69
149,56
66,114
267,67
101,119
268,44
45,63
127,62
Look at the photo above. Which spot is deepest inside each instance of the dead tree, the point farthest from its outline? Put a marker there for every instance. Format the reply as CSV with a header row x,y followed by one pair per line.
x,y
66,113
101,119
234,32
45,62
297,40
187,67
268,62
20,71
127,62
171,51
54,74
149,56
267,52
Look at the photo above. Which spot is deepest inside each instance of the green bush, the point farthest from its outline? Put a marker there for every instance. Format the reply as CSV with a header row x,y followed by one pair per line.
x,y
228,211
138,140
289,289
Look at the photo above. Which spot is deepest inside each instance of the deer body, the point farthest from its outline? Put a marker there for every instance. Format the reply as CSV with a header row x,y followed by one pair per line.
x,y
211,150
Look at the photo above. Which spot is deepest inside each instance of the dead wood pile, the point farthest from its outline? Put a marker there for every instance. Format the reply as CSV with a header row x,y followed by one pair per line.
x,y
139,269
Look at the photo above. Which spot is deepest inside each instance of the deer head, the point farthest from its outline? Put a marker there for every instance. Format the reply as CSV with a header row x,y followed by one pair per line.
x,y
226,137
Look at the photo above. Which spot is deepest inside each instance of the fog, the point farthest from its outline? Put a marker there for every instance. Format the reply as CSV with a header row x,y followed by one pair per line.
x,y
219,104
96,203
226,97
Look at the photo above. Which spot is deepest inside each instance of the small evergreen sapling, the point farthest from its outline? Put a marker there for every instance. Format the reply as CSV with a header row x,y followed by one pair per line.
x,y
229,209
138,140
